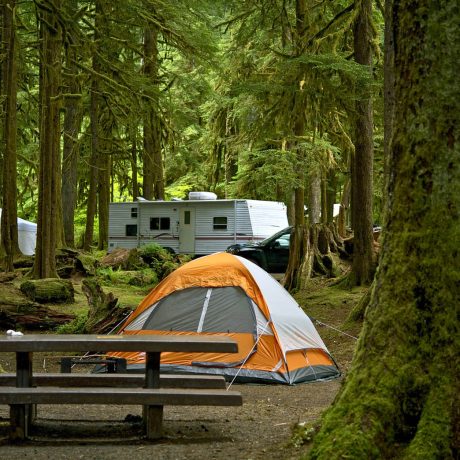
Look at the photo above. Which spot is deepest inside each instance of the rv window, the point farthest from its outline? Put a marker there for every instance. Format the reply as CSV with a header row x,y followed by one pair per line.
x,y
134,213
220,223
160,223
131,230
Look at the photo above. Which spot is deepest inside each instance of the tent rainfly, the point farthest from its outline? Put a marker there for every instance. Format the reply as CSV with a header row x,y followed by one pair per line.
x,y
223,294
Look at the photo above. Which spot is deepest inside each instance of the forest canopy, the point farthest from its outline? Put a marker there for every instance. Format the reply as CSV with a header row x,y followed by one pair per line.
x,y
157,98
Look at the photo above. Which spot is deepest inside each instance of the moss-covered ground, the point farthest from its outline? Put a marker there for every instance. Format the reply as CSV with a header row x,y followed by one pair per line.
x,y
329,304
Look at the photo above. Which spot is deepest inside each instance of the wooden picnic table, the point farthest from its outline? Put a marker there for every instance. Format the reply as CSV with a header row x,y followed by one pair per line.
x,y
23,394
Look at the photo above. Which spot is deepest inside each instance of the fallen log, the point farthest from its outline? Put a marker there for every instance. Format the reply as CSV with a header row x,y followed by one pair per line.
x,y
49,290
27,315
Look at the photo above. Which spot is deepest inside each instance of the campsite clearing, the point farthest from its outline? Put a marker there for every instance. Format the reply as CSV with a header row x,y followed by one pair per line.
x,y
260,429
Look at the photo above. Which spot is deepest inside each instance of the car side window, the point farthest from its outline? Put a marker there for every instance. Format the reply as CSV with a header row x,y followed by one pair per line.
x,y
282,241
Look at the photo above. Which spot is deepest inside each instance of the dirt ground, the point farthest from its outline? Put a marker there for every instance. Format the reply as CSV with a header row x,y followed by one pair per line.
x,y
260,429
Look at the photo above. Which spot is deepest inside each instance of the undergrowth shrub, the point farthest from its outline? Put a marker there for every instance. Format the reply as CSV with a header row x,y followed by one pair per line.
x,y
76,326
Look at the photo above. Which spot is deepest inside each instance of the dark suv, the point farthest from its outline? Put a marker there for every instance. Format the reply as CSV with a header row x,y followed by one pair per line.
x,y
272,254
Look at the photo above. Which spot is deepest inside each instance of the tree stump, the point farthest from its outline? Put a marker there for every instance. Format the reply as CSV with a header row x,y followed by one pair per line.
x,y
104,313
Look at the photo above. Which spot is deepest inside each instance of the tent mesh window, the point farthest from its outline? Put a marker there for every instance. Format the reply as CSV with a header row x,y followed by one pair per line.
x,y
223,309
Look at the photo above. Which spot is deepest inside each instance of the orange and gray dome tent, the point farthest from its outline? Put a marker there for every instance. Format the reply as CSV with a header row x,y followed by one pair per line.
x,y
223,294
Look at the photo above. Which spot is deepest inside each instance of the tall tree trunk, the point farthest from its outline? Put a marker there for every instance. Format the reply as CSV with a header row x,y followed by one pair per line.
x,y
314,197
401,398
72,124
91,206
153,183
389,77
9,221
134,168
104,178
107,129
298,245
344,207
362,162
331,191
50,166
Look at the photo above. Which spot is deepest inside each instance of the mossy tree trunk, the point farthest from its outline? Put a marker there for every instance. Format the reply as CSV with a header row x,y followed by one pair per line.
x,y
105,166
299,238
361,165
343,211
401,398
153,184
107,125
94,114
9,224
134,160
72,124
50,165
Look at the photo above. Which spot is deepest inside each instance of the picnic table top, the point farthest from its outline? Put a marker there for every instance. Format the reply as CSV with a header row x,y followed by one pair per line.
x,y
103,343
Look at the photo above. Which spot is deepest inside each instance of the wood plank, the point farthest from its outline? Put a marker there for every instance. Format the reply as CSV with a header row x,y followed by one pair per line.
x,y
122,396
118,380
103,343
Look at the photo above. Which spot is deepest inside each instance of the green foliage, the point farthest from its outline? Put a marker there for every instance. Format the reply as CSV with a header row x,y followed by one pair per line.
x,y
108,275
159,259
116,277
76,326
302,433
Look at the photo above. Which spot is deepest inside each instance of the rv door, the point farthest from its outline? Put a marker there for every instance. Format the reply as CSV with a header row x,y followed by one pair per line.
x,y
187,230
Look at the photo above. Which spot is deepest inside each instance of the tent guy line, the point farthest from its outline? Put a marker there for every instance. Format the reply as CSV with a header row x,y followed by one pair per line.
x,y
334,328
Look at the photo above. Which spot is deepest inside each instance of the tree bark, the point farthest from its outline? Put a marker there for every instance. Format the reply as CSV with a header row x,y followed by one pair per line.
x,y
153,183
299,238
9,222
134,168
344,207
314,197
388,86
104,169
401,397
91,206
72,124
362,163
50,166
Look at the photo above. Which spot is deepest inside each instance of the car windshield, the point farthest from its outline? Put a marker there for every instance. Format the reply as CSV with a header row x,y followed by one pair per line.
x,y
285,234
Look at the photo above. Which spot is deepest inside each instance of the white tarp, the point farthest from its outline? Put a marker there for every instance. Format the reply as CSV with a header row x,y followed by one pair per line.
x,y
27,236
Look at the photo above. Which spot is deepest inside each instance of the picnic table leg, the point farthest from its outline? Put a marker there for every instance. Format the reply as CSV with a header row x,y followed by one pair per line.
x,y
153,415
20,414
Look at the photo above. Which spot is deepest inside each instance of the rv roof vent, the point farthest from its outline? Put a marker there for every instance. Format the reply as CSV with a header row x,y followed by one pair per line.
x,y
202,196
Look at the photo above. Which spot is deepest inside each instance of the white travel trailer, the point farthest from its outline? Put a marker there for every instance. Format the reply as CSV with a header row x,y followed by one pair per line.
x,y
196,226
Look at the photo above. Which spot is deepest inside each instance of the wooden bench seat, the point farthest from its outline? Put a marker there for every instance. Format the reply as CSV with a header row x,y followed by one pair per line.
x,y
117,380
142,396
152,399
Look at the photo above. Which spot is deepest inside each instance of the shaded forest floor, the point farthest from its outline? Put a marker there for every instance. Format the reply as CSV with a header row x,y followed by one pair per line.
x,y
261,429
